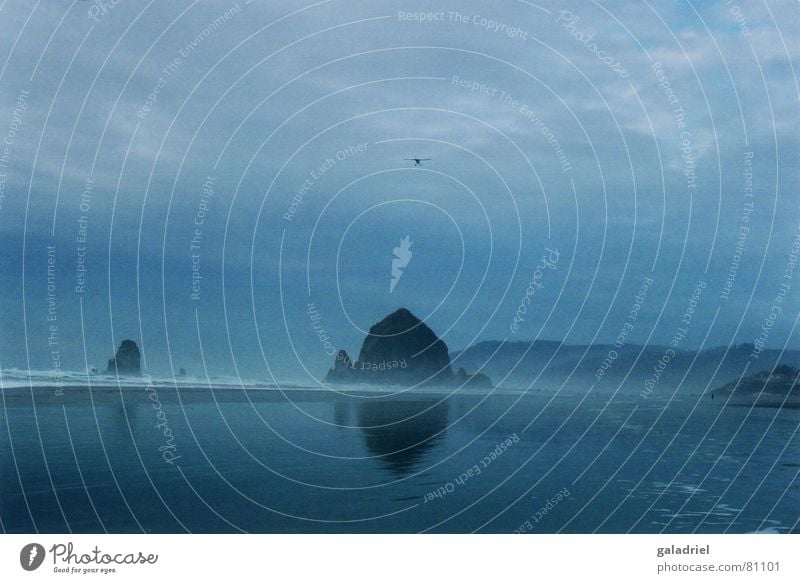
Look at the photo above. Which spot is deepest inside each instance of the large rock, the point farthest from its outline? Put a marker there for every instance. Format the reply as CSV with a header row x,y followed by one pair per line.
x,y
127,360
399,350
402,349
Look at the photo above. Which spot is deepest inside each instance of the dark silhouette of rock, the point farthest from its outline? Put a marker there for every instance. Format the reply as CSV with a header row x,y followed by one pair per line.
x,y
399,350
765,389
401,432
127,361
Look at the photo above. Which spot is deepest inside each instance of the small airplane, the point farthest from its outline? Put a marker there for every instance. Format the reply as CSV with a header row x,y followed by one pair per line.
x,y
417,161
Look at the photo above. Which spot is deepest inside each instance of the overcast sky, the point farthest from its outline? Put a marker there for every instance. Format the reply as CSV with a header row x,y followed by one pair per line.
x,y
614,139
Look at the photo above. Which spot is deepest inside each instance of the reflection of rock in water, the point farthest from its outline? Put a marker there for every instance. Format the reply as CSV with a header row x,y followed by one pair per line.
x,y
401,432
112,422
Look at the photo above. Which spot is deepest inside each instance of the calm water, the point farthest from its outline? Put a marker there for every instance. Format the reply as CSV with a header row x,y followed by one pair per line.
x,y
314,461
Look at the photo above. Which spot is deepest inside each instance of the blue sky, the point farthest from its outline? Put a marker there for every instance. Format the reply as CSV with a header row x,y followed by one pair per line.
x,y
617,133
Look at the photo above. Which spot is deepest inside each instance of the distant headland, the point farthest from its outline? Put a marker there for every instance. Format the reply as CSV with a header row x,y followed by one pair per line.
x,y
127,360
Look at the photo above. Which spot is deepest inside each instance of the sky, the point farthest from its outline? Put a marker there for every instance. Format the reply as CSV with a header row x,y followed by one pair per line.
x,y
225,182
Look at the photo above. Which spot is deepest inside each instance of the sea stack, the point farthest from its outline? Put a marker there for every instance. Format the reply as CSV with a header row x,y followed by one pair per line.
x,y
342,370
399,350
127,360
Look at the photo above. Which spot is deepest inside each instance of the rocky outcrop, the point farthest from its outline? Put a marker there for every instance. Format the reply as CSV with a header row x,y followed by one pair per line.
x,y
399,350
474,381
767,389
127,361
404,350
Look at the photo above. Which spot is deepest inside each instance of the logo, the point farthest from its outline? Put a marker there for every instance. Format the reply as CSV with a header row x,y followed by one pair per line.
x,y
402,257
31,556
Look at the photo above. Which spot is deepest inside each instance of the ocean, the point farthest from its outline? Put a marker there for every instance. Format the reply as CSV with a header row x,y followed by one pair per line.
x,y
164,458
